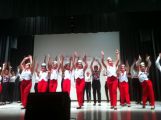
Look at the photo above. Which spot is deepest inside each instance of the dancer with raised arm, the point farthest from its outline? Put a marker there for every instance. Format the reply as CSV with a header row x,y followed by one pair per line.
x,y
67,74
6,75
79,71
54,67
96,84
123,84
88,86
147,87
43,75
112,80
27,67
157,62
136,86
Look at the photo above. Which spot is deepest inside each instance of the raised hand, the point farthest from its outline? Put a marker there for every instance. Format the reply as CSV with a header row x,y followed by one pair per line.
x,y
117,51
102,53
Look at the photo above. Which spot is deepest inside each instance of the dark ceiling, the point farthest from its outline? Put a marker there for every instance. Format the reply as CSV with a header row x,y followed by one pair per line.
x,y
30,17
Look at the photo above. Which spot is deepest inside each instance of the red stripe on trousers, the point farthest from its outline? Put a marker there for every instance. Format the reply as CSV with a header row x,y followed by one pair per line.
x,y
53,85
66,86
147,92
124,93
25,88
80,85
112,83
42,86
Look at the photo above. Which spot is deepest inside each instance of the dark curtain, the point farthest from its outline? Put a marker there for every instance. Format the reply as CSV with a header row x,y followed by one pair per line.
x,y
141,35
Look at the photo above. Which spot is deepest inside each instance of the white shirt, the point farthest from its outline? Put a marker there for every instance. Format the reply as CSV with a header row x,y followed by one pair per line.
x,y
54,74
111,71
158,64
123,77
26,75
87,78
67,74
143,76
43,76
79,73
13,78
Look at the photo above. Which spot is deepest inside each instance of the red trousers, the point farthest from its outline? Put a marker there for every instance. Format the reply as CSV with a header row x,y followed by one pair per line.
x,y
112,83
80,85
25,88
53,85
0,88
42,86
147,92
66,86
124,93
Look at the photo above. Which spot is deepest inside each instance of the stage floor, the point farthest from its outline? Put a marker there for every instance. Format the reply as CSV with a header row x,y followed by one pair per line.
x,y
89,112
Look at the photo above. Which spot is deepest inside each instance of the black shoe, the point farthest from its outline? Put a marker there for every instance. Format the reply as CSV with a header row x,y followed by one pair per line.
x,y
94,104
143,106
112,107
79,107
23,108
152,107
99,104
115,108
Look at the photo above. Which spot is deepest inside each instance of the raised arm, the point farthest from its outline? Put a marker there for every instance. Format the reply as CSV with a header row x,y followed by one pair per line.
x,y
100,66
85,62
62,63
36,68
103,63
157,62
149,63
117,57
22,64
138,61
91,66
127,67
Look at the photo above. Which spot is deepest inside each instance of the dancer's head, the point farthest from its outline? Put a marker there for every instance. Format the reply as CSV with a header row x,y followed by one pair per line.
x,y
109,61
79,64
43,67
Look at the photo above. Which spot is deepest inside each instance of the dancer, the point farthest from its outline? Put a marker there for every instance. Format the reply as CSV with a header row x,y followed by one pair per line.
x,y
6,74
67,74
88,86
43,76
123,84
96,85
12,85
54,67
147,87
27,67
112,80
157,62
79,71
136,87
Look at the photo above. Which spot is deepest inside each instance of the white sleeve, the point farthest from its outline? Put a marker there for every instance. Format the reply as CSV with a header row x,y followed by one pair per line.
x,y
157,63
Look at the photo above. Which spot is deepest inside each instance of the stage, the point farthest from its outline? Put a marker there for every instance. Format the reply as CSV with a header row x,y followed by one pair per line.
x,y
89,112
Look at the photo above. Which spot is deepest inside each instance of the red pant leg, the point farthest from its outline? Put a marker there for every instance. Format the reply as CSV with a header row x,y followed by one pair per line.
x,y
53,85
0,88
80,84
151,93
126,93
22,87
66,86
110,89
122,96
114,91
26,92
42,86
144,92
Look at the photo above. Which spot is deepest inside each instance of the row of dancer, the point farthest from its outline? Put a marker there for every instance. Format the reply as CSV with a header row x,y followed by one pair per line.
x,y
113,73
